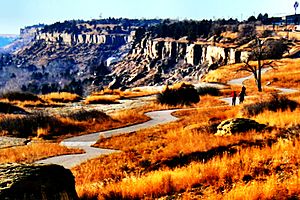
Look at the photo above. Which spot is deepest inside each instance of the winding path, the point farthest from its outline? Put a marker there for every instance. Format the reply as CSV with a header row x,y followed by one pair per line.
x,y
85,141
156,118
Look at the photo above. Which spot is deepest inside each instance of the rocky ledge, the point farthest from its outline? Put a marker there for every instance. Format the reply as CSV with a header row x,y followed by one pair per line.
x,y
36,181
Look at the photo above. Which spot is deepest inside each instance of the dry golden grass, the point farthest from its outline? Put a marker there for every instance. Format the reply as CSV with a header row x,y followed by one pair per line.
x,y
129,93
63,97
287,74
231,35
103,99
32,104
280,119
137,93
108,96
223,177
226,73
119,119
150,165
154,147
34,152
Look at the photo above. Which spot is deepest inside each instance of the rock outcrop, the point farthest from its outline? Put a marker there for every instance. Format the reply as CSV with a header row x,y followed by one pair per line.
x,y
155,61
193,53
238,125
36,181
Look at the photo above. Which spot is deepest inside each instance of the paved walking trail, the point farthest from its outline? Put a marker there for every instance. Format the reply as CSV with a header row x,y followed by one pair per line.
x,y
85,141
157,117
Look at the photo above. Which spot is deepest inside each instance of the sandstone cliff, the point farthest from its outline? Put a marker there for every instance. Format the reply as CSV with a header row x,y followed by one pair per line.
x,y
193,53
85,38
160,60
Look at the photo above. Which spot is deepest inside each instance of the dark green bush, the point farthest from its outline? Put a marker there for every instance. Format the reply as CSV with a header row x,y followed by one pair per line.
x,y
86,115
8,108
276,103
26,126
213,91
184,95
20,96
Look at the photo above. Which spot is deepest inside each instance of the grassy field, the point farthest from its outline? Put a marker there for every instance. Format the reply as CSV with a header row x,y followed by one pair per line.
x,y
185,159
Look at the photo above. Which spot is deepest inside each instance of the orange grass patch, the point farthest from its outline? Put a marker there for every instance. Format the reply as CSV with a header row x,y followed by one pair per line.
x,y
34,152
286,74
63,97
219,176
103,99
126,94
226,73
143,149
280,118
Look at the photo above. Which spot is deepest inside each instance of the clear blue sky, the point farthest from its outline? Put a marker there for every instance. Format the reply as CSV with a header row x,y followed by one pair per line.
x,y
15,14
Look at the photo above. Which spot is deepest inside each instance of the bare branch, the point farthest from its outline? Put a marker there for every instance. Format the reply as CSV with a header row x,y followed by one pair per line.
x,y
248,67
269,64
244,69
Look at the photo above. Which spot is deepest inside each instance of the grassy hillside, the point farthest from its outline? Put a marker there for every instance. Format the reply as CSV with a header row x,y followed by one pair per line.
x,y
187,160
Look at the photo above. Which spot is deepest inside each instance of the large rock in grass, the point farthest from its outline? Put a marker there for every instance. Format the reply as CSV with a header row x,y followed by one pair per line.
x,y
238,125
36,181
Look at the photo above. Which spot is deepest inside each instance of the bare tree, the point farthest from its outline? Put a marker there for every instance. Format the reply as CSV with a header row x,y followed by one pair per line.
x,y
259,50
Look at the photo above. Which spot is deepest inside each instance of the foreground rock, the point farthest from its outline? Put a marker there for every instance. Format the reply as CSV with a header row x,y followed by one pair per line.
x,y
36,181
238,125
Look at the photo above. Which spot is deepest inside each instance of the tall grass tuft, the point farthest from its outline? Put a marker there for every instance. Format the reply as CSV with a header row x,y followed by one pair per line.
x,y
8,108
20,96
274,104
184,94
102,99
62,97
208,90
34,124
87,115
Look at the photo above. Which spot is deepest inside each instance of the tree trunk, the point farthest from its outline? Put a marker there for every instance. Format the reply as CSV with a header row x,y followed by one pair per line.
x,y
258,82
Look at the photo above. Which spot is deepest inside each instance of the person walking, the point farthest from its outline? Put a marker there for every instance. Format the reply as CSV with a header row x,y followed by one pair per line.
x,y
233,96
242,95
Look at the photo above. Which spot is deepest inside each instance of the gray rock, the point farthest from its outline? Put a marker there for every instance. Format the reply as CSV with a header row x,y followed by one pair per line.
x,y
238,125
35,182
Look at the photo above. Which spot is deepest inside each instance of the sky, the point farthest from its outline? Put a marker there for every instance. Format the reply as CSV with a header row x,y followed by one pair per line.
x,y
16,14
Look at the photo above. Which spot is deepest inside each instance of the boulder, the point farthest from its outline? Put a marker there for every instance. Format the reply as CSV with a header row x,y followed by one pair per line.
x,y
238,125
36,181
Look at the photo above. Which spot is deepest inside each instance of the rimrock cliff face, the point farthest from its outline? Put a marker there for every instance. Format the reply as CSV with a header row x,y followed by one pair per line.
x,y
157,61
193,53
85,38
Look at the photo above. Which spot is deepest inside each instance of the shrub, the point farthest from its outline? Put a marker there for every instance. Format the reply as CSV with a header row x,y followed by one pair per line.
x,y
20,96
274,104
86,115
8,108
26,126
213,91
185,94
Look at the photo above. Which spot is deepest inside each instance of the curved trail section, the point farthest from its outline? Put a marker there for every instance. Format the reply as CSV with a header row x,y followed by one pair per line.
x,y
85,141
156,118
239,81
